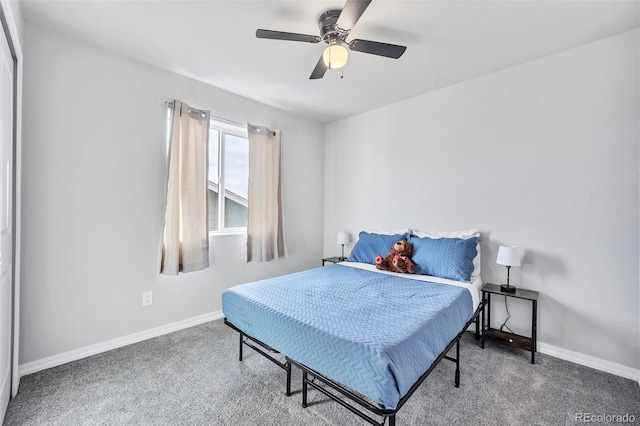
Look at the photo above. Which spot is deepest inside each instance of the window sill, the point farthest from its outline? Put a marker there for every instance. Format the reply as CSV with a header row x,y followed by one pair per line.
x,y
225,233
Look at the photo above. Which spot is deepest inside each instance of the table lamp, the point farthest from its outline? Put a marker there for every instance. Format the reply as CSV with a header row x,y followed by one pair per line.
x,y
343,238
508,256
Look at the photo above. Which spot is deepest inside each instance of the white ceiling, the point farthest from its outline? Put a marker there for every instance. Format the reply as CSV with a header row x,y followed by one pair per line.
x,y
447,42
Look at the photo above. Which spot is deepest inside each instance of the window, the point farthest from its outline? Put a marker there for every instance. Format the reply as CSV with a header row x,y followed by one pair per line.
x,y
228,175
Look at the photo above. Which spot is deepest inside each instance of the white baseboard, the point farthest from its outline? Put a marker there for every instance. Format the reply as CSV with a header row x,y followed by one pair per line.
x,y
589,361
63,358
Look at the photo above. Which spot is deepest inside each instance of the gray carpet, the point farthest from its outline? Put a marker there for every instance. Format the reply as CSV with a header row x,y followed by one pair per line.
x,y
193,377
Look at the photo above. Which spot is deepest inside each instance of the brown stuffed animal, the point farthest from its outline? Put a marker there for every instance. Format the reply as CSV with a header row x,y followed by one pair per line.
x,y
398,259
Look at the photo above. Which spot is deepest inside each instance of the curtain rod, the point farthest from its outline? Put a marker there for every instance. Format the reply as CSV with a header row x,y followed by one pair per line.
x,y
258,129
235,123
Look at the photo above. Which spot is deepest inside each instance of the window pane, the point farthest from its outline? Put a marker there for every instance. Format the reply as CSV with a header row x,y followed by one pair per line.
x,y
236,180
236,162
235,214
213,179
213,155
213,210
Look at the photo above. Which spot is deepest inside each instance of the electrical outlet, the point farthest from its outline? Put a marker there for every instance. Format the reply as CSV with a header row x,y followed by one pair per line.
x,y
147,298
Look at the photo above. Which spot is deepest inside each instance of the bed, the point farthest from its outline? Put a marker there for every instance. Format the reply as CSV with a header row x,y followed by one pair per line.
x,y
358,333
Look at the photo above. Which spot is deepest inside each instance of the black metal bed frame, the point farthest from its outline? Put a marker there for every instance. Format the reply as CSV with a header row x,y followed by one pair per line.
x,y
249,341
317,378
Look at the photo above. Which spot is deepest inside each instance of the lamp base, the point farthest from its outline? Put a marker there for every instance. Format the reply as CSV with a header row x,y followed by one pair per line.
x,y
506,288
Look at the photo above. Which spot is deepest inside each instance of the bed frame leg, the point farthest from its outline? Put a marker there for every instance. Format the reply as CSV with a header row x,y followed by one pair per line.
x,y
288,364
392,420
304,389
240,349
458,363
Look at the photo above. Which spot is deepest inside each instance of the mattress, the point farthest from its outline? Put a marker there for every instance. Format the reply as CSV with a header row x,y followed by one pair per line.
x,y
371,331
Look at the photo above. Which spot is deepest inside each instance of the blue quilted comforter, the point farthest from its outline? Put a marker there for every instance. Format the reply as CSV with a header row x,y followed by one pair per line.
x,y
375,333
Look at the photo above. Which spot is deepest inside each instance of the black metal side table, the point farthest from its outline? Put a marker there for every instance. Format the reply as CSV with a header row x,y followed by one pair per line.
x,y
333,260
510,339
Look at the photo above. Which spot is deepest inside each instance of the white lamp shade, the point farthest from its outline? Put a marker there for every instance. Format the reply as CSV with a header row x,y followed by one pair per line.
x,y
335,56
343,238
508,256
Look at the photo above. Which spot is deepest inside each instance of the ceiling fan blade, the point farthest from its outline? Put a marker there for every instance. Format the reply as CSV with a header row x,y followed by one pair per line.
x,y
351,12
281,35
319,70
376,48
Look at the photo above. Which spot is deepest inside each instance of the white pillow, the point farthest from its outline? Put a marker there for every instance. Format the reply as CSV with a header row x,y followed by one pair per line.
x,y
385,232
469,233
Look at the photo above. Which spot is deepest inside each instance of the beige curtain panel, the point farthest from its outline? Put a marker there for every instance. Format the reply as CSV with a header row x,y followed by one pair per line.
x,y
265,229
185,241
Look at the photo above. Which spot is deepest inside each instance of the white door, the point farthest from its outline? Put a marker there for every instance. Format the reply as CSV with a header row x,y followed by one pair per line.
x,y
6,216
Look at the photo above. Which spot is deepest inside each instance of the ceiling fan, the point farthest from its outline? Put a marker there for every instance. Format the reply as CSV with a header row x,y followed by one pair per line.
x,y
335,26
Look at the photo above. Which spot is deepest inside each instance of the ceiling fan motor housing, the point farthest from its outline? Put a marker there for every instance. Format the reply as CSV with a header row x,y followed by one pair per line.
x,y
329,31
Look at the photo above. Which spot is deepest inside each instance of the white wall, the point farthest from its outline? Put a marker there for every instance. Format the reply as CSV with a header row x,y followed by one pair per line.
x,y
543,156
93,189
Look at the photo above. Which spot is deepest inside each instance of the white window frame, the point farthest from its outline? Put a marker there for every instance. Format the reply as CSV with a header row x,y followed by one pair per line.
x,y
225,128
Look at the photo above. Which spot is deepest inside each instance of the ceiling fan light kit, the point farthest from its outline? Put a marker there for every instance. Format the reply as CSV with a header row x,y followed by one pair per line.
x,y
335,56
335,26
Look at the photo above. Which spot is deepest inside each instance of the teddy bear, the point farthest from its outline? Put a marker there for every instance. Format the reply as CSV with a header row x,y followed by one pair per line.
x,y
398,259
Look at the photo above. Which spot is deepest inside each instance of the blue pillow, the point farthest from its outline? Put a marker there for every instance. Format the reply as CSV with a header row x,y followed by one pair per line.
x,y
450,258
369,245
